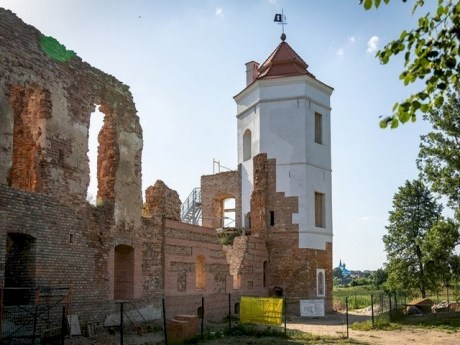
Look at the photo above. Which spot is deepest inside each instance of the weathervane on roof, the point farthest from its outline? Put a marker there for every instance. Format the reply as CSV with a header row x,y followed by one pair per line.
x,y
280,18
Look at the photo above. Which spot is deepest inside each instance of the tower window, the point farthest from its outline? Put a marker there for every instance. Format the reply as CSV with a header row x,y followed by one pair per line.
x,y
247,143
320,283
318,128
320,219
272,218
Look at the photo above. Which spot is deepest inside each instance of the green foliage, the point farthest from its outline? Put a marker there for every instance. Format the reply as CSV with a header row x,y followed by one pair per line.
x,y
439,156
379,277
227,237
362,281
380,323
337,273
358,297
431,54
418,242
54,49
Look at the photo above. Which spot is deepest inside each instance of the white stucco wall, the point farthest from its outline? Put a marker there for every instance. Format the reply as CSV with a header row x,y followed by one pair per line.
x,y
280,114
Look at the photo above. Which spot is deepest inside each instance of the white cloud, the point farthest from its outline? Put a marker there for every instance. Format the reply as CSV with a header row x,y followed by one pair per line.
x,y
352,39
340,52
273,2
372,44
219,12
365,219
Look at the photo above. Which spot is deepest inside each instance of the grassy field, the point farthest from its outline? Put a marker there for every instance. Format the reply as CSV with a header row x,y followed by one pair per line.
x,y
359,297
252,334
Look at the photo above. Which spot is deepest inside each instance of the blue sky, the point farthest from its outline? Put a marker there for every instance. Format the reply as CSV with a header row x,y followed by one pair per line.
x,y
184,62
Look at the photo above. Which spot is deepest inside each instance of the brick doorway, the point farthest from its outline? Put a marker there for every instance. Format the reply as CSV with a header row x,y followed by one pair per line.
x,y
124,272
19,268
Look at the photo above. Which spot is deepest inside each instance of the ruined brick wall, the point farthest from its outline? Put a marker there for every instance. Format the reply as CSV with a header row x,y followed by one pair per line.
x,y
183,245
103,252
246,257
214,189
45,110
162,201
289,267
62,255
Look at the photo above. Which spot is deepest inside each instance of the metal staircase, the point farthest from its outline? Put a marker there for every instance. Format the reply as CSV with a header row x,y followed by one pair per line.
x,y
190,210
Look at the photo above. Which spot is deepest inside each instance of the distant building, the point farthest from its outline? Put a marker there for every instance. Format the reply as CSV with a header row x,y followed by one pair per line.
x,y
345,273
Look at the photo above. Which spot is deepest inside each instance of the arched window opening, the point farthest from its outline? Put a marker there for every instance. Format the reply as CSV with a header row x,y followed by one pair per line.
x,y
31,107
124,272
247,145
95,126
228,213
237,308
19,268
200,272
237,281
103,156
199,312
320,283
265,273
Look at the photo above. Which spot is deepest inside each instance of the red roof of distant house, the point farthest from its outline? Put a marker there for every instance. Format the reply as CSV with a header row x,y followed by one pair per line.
x,y
283,62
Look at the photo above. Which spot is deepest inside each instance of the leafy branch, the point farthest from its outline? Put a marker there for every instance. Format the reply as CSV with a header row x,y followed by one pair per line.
x,y
431,53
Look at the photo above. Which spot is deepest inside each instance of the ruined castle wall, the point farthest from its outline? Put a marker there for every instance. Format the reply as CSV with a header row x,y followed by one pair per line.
x,y
195,266
62,254
214,190
248,258
45,109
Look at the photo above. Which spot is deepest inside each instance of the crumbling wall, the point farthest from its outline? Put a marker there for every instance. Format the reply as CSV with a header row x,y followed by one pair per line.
x,y
183,245
46,101
162,201
246,257
45,106
289,267
214,190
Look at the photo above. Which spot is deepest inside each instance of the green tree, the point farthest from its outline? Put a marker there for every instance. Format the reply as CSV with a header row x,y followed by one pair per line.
x,y
431,54
379,277
337,273
419,241
439,156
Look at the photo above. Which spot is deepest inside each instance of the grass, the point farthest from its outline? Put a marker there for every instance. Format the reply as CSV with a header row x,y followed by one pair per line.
x,y
358,296
380,323
255,335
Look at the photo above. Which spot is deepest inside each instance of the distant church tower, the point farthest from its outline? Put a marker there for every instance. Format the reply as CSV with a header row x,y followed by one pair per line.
x,y
284,159
284,111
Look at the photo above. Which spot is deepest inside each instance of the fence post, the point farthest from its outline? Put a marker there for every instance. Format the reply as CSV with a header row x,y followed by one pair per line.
x,y
230,313
164,320
121,323
389,301
346,312
1,311
63,325
285,313
35,324
202,317
372,309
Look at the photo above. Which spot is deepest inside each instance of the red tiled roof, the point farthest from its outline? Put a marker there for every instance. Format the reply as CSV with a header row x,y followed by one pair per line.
x,y
283,62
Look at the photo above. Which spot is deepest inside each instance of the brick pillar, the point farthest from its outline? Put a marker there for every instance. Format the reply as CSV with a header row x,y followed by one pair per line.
x,y
259,196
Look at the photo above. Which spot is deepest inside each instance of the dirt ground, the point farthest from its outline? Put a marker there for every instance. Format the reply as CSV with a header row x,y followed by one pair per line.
x,y
335,325
332,325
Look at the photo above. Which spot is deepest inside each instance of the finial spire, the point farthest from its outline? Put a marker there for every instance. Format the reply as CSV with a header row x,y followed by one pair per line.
x,y
280,18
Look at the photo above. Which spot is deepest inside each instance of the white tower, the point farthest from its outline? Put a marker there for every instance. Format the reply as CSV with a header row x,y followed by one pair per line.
x,y
284,111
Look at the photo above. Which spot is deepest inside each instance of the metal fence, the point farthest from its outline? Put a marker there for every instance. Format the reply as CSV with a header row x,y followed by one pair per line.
x,y
31,314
